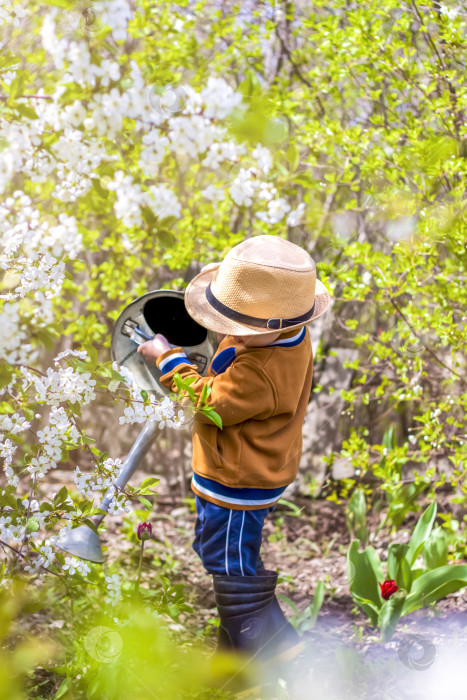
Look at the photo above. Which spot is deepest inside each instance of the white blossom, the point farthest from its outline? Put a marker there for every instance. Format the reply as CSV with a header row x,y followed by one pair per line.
x,y
45,559
277,209
213,193
264,157
65,384
153,153
73,565
116,14
14,347
244,187
113,586
101,480
219,98
296,215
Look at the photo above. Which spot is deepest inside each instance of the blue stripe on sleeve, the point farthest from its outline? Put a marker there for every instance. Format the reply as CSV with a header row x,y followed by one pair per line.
x,y
171,362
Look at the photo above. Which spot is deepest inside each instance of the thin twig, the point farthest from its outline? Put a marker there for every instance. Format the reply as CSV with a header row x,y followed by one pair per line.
x,y
34,477
427,347
4,544
36,97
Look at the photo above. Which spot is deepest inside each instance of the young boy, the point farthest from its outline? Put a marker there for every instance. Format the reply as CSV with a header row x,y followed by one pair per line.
x,y
258,300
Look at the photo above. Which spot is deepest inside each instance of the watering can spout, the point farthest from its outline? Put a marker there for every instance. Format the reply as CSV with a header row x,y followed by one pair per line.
x,y
84,543
161,311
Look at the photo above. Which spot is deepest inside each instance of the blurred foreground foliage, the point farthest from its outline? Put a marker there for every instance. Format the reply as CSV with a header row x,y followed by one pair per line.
x,y
362,108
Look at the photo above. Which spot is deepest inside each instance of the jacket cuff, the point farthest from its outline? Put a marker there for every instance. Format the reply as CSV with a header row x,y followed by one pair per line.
x,y
170,359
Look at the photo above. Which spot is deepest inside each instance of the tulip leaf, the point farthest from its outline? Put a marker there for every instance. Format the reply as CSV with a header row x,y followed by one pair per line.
x,y
365,571
435,551
398,566
390,613
435,584
421,533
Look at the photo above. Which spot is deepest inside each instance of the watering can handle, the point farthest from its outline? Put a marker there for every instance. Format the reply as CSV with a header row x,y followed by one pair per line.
x,y
144,335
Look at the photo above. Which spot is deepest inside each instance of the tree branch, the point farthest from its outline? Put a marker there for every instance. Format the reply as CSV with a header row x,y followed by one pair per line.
x,y
427,347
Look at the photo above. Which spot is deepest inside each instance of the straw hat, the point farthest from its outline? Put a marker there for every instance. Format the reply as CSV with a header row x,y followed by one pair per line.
x,y
264,285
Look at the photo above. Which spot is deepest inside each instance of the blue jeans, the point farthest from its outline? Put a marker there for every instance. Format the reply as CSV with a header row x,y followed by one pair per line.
x,y
229,541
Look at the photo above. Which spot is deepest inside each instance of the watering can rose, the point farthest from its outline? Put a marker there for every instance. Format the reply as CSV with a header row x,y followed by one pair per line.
x,y
388,588
144,531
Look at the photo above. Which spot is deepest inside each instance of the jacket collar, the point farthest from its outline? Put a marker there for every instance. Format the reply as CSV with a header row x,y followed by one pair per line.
x,y
289,338
227,355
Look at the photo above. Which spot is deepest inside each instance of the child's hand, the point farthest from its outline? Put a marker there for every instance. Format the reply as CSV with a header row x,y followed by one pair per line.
x,y
152,349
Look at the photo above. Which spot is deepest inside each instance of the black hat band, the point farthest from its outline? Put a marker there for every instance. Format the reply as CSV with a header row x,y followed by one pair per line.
x,y
272,324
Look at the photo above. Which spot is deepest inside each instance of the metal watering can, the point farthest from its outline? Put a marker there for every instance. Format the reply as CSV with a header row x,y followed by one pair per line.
x,y
162,311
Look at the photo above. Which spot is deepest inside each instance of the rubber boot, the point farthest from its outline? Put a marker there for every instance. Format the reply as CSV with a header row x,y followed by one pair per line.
x,y
251,620
284,637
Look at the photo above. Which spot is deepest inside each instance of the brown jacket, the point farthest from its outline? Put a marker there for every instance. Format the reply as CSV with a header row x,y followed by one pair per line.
x,y
261,395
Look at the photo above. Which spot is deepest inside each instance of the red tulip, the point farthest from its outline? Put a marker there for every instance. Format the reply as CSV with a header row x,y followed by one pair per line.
x,y
144,531
388,588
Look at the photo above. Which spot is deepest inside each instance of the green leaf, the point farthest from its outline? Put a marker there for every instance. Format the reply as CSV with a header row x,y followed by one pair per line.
x,y
100,191
6,375
212,415
403,500
293,157
90,524
365,571
6,407
318,599
435,584
389,439
60,496
293,507
64,4
421,533
288,601
65,684
356,515
16,87
28,413
26,111
166,238
435,550
46,338
145,502
8,61
92,354
148,482
390,614
149,217
398,566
